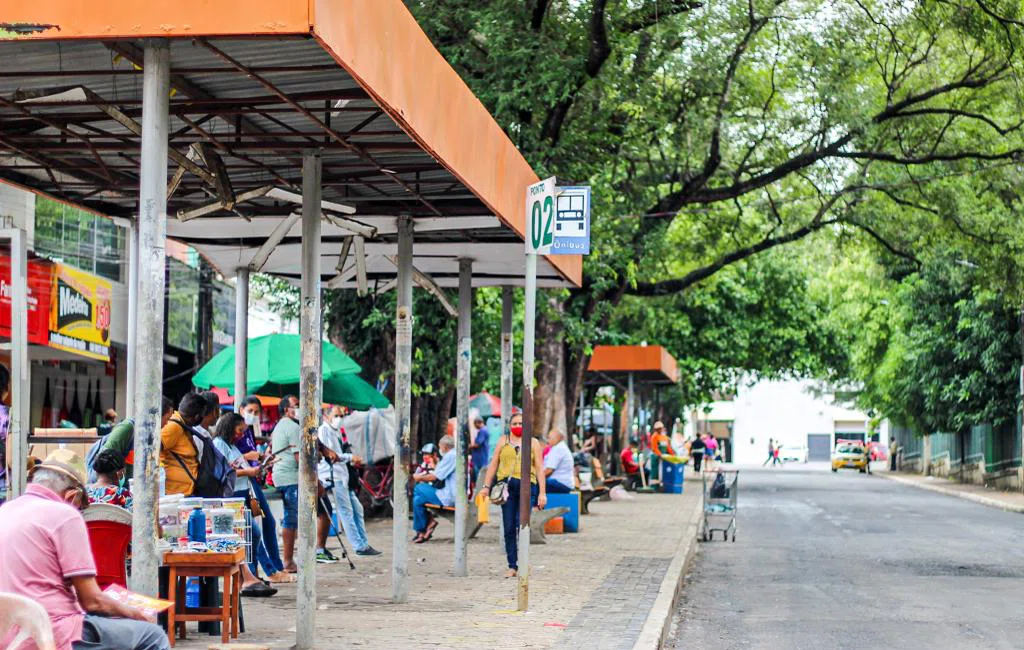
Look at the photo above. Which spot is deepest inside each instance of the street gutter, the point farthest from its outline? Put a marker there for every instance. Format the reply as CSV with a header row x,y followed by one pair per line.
x,y
969,496
659,620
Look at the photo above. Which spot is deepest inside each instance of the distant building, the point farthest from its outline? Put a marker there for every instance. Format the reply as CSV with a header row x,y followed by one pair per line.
x,y
794,413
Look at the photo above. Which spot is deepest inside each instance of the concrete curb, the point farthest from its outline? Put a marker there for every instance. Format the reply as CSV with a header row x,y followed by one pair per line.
x,y
659,620
969,496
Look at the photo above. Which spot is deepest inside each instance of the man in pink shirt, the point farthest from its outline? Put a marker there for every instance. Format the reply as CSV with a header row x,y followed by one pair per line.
x,y
45,555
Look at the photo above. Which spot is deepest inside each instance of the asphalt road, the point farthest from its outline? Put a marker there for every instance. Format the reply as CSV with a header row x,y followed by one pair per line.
x,y
845,560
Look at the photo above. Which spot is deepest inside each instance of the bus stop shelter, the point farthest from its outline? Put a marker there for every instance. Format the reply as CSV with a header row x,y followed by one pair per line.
x,y
629,367
311,139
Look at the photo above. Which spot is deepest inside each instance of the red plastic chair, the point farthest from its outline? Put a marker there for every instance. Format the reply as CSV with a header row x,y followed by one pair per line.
x,y
109,536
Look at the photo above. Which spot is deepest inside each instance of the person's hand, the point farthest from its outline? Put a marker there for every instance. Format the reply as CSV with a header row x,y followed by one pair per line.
x,y
357,460
139,615
542,501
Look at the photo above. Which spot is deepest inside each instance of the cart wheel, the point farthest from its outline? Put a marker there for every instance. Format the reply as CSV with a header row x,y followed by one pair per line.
x,y
834,470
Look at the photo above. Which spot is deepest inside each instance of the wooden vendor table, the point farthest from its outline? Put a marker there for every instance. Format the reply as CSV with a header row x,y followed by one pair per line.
x,y
204,565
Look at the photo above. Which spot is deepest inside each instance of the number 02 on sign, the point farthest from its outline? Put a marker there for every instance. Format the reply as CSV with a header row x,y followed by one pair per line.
x,y
540,216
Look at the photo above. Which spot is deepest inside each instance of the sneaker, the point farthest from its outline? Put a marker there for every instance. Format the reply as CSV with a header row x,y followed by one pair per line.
x,y
324,557
369,550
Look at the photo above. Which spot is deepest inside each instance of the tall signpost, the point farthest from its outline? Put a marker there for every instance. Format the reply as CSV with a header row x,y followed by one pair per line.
x,y
557,223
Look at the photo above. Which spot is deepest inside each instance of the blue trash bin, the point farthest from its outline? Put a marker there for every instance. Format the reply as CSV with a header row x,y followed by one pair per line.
x,y
672,477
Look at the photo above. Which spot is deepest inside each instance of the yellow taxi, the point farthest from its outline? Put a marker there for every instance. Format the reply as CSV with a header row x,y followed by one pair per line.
x,y
849,455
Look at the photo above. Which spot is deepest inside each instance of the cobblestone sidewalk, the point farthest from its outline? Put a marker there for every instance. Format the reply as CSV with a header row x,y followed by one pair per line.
x,y
592,589
1013,501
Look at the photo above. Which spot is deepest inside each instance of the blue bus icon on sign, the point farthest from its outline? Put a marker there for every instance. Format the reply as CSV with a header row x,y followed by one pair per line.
x,y
572,221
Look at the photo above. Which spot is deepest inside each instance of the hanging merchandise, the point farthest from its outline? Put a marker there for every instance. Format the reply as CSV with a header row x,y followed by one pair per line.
x,y
87,413
97,408
62,414
75,414
46,421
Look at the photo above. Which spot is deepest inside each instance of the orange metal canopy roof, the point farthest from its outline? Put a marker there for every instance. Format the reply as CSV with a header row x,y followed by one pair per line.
x,y
647,363
377,42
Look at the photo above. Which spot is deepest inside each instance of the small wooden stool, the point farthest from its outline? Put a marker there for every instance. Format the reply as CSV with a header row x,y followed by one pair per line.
x,y
204,565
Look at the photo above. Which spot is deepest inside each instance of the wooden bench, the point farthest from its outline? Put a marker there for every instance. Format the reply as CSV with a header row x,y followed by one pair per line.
x,y
448,514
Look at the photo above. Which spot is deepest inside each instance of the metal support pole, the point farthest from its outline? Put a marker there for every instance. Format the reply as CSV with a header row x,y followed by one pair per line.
x,y
464,365
310,388
508,299
133,318
241,334
529,323
149,337
403,403
21,421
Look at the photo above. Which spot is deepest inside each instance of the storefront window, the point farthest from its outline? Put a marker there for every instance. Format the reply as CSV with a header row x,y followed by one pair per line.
x,y
80,239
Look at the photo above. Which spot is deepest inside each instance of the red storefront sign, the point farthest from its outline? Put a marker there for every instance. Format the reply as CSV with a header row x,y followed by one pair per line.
x,y
40,287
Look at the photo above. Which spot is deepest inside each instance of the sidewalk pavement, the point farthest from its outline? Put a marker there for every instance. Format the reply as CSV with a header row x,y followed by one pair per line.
x,y
1012,501
609,586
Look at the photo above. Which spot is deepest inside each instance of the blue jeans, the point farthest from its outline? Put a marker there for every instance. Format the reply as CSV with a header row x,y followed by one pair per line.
x,y
102,633
510,520
350,516
554,487
290,497
259,550
269,528
423,494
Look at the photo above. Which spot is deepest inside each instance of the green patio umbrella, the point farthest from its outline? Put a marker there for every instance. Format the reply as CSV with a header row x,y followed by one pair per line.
x,y
273,367
354,392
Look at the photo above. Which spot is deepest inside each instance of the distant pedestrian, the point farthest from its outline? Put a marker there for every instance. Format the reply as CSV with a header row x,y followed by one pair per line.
x,y
710,451
558,465
479,447
776,460
771,452
893,449
697,448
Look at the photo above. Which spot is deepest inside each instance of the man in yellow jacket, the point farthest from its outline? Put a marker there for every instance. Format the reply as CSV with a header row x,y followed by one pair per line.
x,y
178,454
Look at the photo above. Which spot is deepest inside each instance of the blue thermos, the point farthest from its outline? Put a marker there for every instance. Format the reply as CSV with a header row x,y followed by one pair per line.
x,y
197,525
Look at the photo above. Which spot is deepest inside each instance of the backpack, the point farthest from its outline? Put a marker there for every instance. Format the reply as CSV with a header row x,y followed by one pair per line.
x,y
215,477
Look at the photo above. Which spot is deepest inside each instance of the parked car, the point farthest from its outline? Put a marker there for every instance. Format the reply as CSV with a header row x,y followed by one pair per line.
x,y
850,456
795,454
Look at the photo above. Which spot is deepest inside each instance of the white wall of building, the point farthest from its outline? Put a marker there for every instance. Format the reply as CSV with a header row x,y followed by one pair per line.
x,y
785,411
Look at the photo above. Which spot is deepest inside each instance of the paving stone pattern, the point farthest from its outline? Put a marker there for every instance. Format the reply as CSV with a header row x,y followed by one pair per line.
x,y
613,616
613,563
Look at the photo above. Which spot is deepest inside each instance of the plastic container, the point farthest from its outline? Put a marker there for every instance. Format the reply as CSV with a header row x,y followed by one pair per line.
x,y
192,593
197,525
161,477
237,505
223,521
672,478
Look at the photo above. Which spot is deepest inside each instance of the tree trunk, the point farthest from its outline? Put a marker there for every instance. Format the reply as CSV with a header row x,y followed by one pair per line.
x,y
549,392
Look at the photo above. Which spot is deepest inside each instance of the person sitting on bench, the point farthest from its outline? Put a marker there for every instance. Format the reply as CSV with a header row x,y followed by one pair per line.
x,y
437,487
558,465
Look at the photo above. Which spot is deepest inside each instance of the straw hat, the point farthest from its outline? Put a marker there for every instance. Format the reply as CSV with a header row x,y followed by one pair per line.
x,y
64,461
659,426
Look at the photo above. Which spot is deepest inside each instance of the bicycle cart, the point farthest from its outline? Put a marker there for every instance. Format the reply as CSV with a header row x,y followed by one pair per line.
x,y
720,491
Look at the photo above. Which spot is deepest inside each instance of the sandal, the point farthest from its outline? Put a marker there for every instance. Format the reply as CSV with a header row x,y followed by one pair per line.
x,y
511,573
281,577
258,590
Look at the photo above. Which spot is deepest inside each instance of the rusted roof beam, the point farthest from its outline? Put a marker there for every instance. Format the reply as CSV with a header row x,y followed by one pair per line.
x,y
360,150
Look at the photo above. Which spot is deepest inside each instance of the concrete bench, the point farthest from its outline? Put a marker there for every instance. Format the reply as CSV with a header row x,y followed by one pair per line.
x,y
540,517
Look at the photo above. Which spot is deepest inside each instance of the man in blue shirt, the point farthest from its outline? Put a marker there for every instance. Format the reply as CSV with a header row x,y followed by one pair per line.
x,y
479,447
437,487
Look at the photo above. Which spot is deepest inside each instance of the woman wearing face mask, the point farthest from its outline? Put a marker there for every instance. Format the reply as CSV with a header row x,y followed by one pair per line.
x,y
111,486
506,465
252,414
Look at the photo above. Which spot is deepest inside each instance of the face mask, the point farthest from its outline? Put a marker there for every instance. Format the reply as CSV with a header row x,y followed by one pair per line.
x,y
336,423
250,419
516,431
122,480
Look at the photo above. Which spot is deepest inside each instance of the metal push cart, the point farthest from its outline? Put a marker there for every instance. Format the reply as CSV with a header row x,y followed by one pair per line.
x,y
720,491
